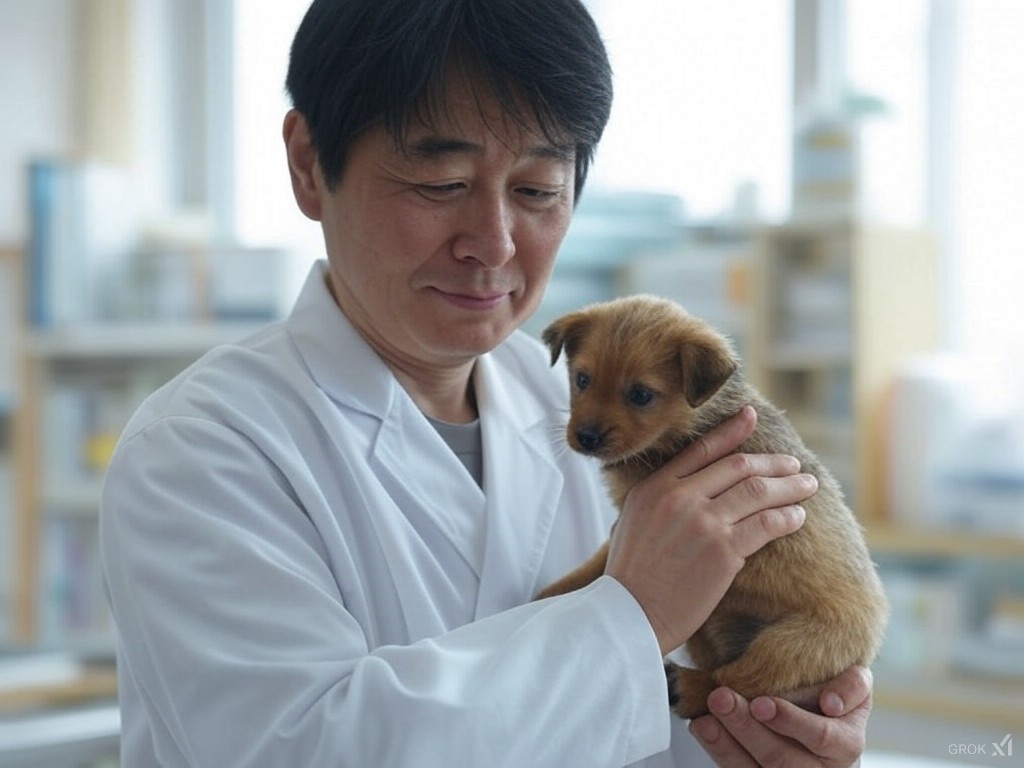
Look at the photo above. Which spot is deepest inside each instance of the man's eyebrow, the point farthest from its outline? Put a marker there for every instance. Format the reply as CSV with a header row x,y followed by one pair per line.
x,y
437,146
430,147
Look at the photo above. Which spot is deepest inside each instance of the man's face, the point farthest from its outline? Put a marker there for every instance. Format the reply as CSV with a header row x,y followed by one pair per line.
x,y
439,249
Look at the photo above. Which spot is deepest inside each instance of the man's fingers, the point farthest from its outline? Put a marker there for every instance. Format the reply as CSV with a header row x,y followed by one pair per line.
x,y
839,732
743,740
847,692
716,444
762,492
742,476
753,532
841,740
774,731
719,743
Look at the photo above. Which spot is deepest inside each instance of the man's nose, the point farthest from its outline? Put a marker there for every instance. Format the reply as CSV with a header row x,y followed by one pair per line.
x,y
487,230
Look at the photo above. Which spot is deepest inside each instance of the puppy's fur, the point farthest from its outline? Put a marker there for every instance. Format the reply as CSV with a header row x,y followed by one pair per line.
x,y
647,379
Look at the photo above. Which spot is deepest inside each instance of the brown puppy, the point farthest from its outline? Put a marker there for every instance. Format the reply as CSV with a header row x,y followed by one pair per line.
x,y
647,379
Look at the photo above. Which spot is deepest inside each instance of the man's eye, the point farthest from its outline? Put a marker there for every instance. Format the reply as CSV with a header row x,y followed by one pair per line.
x,y
582,380
540,194
640,396
440,191
539,198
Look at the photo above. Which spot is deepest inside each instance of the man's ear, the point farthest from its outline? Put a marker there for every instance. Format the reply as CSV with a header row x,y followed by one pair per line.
x,y
566,333
303,165
706,366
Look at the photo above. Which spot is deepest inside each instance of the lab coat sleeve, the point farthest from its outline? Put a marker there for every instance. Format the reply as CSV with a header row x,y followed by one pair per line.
x,y
234,632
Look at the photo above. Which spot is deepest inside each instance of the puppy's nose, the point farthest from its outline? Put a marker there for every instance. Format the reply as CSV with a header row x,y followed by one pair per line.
x,y
590,438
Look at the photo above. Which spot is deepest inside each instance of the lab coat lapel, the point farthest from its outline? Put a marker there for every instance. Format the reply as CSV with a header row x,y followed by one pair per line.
x,y
436,491
522,486
424,511
431,522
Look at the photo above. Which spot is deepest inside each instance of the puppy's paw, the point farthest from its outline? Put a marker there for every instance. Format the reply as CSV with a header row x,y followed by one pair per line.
x,y
670,678
688,690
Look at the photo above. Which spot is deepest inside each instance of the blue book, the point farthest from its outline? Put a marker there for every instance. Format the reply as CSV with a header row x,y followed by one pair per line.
x,y
42,180
81,233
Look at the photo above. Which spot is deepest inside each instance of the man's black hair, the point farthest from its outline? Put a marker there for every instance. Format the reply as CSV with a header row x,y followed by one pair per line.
x,y
356,64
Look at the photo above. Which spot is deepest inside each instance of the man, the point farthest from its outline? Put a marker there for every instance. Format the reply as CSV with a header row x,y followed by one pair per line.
x,y
322,542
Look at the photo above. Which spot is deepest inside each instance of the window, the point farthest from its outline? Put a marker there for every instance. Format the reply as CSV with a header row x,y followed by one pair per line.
x,y
987,278
702,101
887,46
265,210
948,150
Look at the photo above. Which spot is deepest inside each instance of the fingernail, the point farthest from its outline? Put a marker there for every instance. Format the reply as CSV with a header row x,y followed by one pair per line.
x,y
832,705
793,517
721,701
763,709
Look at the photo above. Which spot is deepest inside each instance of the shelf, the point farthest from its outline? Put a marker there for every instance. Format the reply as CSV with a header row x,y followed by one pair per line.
x,y
992,703
134,340
90,685
76,730
798,355
78,386
901,540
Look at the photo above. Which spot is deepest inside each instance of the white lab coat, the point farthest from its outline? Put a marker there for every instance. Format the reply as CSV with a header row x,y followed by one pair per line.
x,y
302,573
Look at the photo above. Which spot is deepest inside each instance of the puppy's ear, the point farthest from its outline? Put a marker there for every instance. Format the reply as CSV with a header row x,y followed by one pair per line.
x,y
706,366
566,333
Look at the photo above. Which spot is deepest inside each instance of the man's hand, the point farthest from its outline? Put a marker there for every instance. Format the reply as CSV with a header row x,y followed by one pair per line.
x,y
697,519
770,731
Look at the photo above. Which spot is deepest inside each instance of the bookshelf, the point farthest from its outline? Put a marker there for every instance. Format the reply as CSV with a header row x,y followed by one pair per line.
x,y
10,314
79,387
81,736
113,309
946,587
89,686
837,307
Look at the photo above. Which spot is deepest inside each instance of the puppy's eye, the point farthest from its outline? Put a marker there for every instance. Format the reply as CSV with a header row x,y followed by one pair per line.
x,y
640,396
582,380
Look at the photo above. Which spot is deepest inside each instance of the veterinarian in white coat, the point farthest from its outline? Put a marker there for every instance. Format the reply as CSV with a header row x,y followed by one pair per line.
x,y
283,525
321,543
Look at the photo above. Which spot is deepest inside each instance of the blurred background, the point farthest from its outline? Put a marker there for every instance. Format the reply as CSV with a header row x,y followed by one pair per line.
x,y
834,183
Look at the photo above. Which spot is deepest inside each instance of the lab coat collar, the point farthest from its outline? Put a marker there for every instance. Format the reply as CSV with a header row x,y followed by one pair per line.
x,y
339,359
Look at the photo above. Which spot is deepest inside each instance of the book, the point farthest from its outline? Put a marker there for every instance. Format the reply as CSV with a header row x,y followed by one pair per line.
x,y
82,231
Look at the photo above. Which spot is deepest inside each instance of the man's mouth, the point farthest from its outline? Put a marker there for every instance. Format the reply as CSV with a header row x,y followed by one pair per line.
x,y
472,300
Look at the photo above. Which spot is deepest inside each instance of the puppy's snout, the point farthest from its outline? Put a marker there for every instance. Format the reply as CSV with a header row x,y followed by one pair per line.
x,y
590,437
